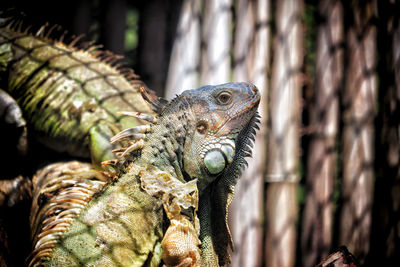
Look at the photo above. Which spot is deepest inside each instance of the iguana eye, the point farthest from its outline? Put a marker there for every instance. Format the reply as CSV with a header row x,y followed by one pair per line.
x,y
224,98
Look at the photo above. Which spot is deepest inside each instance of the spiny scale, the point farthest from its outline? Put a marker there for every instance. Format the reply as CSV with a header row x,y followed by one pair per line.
x,y
131,136
117,150
75,40
135,133
46,31
136,146
50,30
139,115
109,162
40,32
246,150
66,195
157,103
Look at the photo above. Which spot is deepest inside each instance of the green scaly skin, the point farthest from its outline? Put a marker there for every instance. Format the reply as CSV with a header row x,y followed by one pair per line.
x,y
196,147
70,97
121,226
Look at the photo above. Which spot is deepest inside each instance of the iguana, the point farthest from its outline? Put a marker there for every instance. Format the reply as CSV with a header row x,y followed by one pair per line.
x,y
70,97
184,164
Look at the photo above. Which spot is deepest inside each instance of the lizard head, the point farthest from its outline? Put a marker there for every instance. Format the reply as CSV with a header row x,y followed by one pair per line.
x,y
220,116
200,132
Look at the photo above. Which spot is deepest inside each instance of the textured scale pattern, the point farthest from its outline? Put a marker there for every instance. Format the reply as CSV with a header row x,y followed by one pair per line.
x,y
159,170
59,197
68,94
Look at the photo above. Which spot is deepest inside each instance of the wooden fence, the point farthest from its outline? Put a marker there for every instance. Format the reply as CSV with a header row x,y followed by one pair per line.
x,y
325,167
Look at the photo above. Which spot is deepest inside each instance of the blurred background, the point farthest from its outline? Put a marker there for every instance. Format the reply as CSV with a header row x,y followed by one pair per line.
x,y
325,167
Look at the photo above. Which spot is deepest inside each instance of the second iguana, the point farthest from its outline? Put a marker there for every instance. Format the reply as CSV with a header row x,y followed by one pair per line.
x,y
70,97
184,164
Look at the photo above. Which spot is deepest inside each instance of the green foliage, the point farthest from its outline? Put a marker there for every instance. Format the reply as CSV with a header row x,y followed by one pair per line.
x,y
131,32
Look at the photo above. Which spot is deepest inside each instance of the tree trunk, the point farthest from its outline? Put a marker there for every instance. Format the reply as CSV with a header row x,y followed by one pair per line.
x,y
283,150
184,63
358,133
216,42
252,63
316,237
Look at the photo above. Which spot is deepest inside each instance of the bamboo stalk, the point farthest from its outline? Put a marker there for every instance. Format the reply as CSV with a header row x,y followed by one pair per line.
x,y
183,72
283,151
316,237
216,42
252,63
358,133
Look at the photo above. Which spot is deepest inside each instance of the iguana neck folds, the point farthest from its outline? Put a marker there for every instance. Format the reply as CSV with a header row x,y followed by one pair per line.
x,y
160,159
